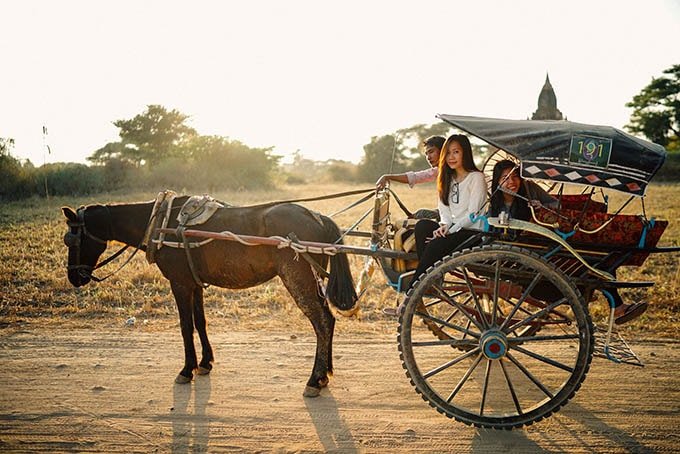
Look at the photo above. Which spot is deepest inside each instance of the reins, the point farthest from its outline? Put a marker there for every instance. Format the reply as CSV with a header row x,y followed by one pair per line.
x,y
311,199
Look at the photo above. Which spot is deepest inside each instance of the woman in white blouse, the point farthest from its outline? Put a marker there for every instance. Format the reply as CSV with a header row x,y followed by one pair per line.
x,y
462,192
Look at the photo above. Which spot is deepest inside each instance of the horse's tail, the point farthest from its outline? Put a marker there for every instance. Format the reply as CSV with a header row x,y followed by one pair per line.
x,y
340,289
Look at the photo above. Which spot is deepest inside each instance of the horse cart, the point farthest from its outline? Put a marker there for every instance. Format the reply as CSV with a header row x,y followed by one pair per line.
x,y
498,334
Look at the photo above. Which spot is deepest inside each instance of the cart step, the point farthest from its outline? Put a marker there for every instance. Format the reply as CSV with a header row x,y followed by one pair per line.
x,y
618,349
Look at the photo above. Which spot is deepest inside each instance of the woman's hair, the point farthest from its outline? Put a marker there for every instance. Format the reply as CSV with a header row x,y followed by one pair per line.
x,y
447,174
497,204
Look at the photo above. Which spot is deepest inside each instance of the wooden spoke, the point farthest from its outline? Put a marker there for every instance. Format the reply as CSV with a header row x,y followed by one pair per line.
x,y
528,290
513,394
459,306
544,359
526,339
451,342
535,315
485,387
465,378
496,284
526,372
448,364
475,298
448,325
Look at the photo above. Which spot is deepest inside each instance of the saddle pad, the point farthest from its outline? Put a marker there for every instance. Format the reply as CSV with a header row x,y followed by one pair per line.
x,y
197,210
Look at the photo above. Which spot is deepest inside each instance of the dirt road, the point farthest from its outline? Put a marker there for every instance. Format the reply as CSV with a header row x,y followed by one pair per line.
x,y
112,390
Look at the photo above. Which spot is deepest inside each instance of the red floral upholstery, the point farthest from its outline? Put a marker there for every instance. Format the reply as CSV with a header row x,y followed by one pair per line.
x,y
578,201
624,230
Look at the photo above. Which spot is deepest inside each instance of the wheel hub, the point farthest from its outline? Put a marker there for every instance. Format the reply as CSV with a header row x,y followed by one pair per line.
x,y
494,344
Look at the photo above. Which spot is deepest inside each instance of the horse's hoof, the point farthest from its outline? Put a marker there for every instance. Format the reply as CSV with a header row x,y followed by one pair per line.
x,y
203,370
311,391
182,380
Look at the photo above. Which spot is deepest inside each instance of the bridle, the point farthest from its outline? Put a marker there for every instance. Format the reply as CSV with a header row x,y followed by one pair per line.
x,y
73,241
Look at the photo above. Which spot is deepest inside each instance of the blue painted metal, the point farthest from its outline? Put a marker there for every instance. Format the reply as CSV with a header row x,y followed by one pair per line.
x,y
564,235
643,237
481,217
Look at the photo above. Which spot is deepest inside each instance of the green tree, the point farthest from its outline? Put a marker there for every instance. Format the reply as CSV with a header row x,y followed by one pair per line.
x,y
218,162
382,155
68,178
656,110
16,177
339,170
153,135
115,151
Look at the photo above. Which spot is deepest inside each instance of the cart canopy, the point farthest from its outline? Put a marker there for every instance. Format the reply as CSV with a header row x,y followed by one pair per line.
x,y
570,152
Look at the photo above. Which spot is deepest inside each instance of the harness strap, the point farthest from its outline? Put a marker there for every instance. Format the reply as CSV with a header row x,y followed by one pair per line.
x,y
400,203
187,249
100,279
354,226
160,213
313,263
112,257
358,202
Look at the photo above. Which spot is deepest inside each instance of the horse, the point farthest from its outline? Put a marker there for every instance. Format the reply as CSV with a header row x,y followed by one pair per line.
x,y
225,264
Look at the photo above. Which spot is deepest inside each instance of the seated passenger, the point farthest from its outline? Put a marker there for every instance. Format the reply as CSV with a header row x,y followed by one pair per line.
x,y
432,146
506,176
461,189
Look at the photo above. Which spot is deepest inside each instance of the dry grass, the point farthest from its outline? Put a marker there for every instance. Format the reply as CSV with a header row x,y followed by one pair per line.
x,y
34,288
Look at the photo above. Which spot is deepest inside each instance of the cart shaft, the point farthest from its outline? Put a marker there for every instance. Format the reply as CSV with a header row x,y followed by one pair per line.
x,y
276,241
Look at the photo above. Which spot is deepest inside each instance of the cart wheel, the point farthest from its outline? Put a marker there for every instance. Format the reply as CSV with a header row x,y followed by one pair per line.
x,y
521,335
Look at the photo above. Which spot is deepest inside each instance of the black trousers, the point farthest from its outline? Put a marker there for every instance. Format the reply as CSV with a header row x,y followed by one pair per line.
x,y
429,252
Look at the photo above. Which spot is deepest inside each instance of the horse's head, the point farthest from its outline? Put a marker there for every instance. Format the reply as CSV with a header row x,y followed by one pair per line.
x,y
86,241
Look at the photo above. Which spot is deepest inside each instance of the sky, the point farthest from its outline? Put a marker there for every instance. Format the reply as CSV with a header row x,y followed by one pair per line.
x,y
316,76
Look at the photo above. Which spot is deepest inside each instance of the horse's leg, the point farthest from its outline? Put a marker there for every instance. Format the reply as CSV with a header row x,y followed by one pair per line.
x,y
298,279
205,366
184,298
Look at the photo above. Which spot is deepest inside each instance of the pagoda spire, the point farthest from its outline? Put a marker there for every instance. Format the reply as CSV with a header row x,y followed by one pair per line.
x,y
547,103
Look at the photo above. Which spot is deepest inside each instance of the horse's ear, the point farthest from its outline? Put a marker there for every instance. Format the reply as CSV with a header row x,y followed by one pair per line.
x,y
70,214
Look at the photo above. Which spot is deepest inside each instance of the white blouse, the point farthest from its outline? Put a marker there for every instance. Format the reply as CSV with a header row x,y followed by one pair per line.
x,y
465,198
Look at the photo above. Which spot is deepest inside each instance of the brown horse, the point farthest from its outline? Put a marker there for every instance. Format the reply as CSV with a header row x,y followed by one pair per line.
x,y
224,264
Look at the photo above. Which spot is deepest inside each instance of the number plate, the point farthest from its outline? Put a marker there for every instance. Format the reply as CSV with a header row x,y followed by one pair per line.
x,y
592,151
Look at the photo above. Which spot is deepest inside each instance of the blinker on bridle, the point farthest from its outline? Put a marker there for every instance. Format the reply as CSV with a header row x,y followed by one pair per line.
x,y
73,240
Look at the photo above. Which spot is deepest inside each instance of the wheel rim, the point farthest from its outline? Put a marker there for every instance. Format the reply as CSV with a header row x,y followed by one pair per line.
x,y
513,341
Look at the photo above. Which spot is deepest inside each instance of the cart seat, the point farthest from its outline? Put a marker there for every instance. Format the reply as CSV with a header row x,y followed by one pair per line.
x,y
578,201
623,230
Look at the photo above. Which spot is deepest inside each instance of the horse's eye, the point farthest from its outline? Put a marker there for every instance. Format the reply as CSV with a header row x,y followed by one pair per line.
x,y
71,239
